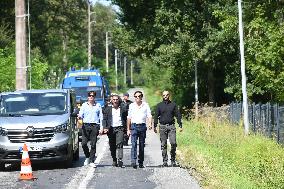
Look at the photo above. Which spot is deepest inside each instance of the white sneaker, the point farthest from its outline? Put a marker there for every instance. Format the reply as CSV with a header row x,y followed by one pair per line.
x,y
93,165
87,161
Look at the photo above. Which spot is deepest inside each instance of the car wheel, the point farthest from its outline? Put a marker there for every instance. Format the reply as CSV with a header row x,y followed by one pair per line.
x,y
69,161
76,155
2,166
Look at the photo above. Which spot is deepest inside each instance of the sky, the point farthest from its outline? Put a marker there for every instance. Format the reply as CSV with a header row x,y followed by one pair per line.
x,y
104,2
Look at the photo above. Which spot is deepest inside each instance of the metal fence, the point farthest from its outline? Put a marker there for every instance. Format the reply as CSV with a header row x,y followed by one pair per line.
x,y
267,119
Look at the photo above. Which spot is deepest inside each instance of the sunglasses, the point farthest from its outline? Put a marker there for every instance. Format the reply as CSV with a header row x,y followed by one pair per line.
x,y
166,95
115,99
91,95
139,96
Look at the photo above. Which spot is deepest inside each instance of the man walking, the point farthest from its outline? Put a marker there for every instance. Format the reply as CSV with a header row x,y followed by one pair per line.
x,y
138,115
115,117
125,102
91,113
165,113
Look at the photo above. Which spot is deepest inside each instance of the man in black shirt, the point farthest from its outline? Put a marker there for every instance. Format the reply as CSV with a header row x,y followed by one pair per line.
x,y
165,113
125,102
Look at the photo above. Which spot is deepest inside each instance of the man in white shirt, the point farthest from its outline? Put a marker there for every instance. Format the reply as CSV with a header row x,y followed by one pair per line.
x,y
139,114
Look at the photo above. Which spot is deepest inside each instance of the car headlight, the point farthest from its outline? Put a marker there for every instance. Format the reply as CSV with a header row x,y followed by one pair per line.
x,y
61,128
3,132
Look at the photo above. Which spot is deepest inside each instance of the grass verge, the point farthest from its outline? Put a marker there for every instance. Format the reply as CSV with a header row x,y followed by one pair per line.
x,y
222,157
153,97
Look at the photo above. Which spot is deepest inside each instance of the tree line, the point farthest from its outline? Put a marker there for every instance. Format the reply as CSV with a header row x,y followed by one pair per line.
x,y
167,38
59,39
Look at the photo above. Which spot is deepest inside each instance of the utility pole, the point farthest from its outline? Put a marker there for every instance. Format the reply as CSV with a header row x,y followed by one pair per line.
x,y
124,67
243,72
89,36
131,72
21,66
196,92
29,38
115,62
106,51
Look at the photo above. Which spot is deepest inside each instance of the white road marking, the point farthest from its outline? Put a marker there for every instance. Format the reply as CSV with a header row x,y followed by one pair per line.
x,y
89,176
85,173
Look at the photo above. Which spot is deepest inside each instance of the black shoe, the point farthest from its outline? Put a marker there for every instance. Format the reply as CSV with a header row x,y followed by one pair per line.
x,y
120,164
174,164
134,165
165,164
141,165
114,163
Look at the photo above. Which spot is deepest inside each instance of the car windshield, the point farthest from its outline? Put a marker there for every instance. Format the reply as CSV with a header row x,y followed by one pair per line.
x,y
83,92
44,103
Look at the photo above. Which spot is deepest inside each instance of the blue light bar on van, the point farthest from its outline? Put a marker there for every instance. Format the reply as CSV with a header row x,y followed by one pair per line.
x,y
74,74
83,78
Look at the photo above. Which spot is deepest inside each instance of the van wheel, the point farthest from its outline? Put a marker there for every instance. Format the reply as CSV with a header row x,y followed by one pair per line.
x,y
76,155
2,166
69,161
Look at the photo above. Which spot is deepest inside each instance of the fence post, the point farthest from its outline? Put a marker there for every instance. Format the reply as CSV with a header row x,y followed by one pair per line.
x,y
277,123
269,119
230,113
253,116
260,117
241,111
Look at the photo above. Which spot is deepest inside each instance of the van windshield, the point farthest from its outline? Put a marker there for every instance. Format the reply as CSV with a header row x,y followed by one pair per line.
x,y
83,92
45,103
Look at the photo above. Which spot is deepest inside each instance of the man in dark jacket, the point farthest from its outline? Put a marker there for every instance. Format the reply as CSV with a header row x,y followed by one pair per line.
x,y
115,118
165,113
125,102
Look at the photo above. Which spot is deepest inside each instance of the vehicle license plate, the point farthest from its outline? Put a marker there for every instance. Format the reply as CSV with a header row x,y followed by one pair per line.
x,y
32,148
35,148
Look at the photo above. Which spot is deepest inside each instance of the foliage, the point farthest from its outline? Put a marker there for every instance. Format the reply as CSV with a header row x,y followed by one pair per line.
x,y
176,34
230,160
39,70
7,69
59,36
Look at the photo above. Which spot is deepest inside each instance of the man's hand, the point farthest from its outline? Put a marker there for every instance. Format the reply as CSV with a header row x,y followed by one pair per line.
x,y
105,131
101,131
155,129
128,133
180,129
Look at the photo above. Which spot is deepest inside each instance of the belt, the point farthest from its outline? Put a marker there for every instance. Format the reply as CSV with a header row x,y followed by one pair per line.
x,y
167,124
90,124
139,124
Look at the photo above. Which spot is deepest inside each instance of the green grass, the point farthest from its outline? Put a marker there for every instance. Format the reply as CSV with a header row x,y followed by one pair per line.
x,y
224,158
153,97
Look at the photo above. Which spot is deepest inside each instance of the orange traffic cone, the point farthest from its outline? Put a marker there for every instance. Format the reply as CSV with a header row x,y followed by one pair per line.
x,y
26,168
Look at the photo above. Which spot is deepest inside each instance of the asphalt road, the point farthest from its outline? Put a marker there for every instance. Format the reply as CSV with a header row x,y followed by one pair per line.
x,y
153,176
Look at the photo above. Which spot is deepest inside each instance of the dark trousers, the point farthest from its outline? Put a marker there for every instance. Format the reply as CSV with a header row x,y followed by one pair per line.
x,y
90,133
138,132
115,136
125,137
168,131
